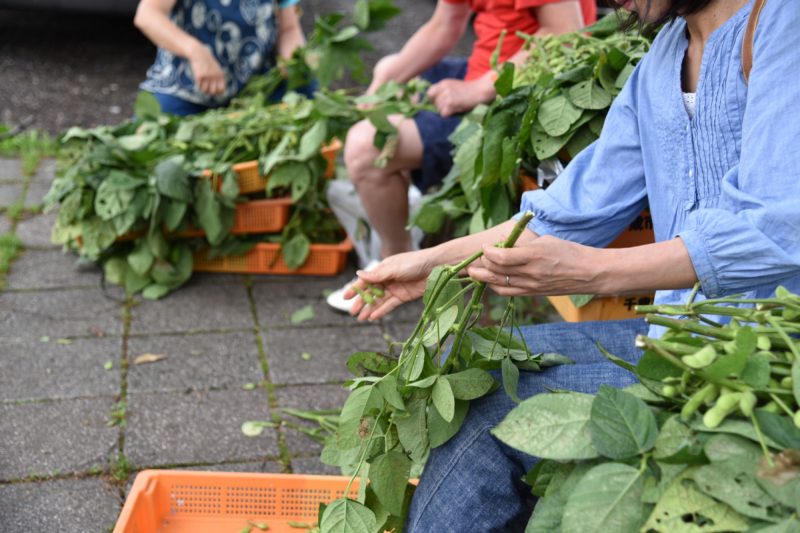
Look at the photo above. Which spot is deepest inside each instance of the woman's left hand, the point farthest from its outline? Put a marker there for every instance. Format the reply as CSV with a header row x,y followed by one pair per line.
x,y
543,266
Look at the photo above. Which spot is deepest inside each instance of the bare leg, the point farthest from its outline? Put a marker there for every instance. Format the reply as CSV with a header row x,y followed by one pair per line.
x,y
384,191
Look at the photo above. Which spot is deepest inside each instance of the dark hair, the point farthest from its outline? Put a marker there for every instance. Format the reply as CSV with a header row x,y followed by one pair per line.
x,y
677,9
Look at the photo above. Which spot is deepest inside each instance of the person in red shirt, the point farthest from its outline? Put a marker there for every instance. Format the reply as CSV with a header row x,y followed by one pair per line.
x,y
423,155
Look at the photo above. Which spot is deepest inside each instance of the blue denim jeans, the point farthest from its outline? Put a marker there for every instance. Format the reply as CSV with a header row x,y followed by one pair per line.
x,y
474,481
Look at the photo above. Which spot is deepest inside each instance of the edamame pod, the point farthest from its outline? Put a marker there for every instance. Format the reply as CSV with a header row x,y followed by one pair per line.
x,y
701,359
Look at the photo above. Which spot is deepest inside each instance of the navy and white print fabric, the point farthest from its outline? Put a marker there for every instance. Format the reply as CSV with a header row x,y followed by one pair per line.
x,y
241,34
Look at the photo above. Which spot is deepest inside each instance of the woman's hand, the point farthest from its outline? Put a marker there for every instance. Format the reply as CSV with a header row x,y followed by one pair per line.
x,y
543,266
453,96
402,278
207,73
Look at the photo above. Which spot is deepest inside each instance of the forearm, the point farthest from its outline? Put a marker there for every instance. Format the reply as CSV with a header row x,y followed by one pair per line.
x,y
290,33
427,46
660,266
157,26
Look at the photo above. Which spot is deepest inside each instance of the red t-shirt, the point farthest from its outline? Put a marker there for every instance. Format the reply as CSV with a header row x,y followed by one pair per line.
x,y
494,16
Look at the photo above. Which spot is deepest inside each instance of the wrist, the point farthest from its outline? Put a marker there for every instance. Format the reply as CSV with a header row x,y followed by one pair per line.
x,y
194,49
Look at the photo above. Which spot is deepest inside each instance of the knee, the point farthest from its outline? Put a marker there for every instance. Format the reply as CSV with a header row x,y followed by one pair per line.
x,y
360,153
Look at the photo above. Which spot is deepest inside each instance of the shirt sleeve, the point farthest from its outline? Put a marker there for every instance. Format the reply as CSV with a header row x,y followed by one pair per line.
x,y
603,189
750,239
283,4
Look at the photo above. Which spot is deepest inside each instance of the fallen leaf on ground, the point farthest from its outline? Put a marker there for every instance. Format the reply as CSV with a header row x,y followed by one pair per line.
x,y
303,314
148,358
306,356
64,341
109,365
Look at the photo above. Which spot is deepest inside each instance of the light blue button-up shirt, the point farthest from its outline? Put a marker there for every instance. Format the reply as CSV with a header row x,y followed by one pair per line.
x,y
726,182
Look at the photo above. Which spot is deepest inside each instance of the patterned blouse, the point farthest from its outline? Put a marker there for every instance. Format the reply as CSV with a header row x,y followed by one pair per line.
x,y
240,33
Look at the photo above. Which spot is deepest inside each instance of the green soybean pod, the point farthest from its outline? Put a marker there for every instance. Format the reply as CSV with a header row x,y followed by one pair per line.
x,y
797,419
747,403
763,343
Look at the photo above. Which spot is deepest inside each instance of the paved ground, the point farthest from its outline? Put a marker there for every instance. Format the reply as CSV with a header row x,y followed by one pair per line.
x,y
73,433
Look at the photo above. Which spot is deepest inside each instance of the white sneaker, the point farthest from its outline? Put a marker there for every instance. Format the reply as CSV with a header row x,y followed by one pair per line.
x,y
336,298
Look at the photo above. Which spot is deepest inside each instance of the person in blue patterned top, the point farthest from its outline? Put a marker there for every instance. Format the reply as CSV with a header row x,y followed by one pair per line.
x,y
209,49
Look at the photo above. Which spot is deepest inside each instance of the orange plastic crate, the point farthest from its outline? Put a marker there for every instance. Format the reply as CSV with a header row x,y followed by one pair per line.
x,y
172,501
251,180
265,258
605,308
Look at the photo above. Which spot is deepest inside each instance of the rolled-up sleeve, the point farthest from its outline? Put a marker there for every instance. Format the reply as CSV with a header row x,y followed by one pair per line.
x,y
751,238
603,189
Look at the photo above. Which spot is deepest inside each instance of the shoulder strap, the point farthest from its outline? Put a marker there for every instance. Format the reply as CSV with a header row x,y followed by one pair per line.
x,y
749,37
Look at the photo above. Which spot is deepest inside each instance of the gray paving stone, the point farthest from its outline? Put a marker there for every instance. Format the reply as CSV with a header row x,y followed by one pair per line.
x,y
195,308
263,467
61,313
329,349
312,465
55,437
275,303
307,398
32,369
51,269
34,232
46,172
5,225
10,193
11,169
37,190
205,361
68,505
165,429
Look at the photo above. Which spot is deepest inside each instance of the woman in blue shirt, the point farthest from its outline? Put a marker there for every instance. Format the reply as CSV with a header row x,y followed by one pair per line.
x,y
718,160
209,49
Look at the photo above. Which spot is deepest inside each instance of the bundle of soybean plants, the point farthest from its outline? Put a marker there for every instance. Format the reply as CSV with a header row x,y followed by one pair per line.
x,y
709,440
123,191
552,106
402,405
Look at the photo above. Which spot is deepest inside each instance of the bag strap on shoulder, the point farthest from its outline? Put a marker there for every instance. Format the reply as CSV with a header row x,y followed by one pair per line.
x,y
749,37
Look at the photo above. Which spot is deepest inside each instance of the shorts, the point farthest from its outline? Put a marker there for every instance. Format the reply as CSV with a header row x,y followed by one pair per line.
x,y
434,129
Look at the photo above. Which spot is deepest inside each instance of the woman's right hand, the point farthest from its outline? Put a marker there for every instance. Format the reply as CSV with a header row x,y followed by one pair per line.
x,y
207,73
402,278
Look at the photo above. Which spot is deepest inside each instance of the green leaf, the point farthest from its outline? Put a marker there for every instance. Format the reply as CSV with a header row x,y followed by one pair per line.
x,y
412,429
209,212
141,259
470,384
796,381
734,482
621,424
361,14
779,428
295,251
733,364
347,516
557,115
443,399
756,371
733,426
361,401
440,430
605,499
439,329
157,244
311,141
684,509
546,146
655,367
589,95
789,525
550,426
114,270
510,375
677,443
388,388
114,195
174,213
505,80
304,314
388,476
146,106
370,363
724,447
172,179
155,291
